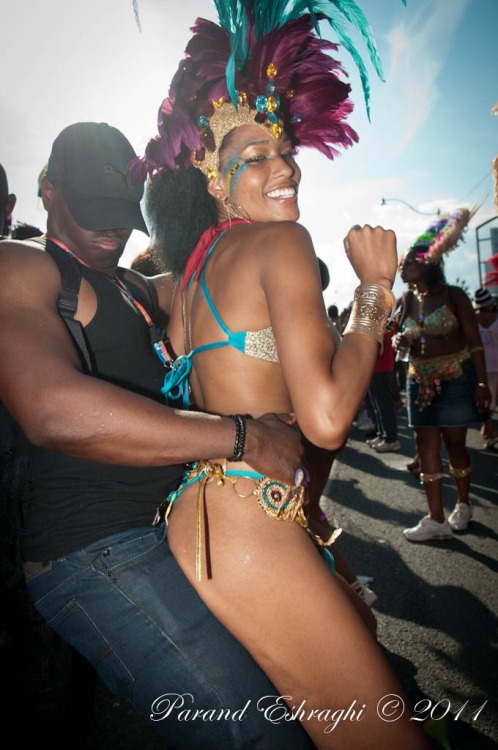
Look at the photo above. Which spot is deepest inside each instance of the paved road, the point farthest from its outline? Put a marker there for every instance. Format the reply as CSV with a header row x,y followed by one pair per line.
x,y
438,601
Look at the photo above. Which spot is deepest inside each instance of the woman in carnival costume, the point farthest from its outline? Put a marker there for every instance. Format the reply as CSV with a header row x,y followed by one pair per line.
x,y
447,385
251,336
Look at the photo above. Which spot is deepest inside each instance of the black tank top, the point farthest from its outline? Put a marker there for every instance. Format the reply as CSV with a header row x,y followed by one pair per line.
x,y
74,501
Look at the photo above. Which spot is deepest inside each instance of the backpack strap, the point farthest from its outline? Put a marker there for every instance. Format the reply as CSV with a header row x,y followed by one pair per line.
x,y
67,303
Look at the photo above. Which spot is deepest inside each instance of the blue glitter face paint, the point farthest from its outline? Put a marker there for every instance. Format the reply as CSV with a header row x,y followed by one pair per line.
x,y
254,152
233,165
235,172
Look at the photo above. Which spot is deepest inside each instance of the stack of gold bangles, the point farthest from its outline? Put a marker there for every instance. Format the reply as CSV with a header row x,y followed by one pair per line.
x,y
373,305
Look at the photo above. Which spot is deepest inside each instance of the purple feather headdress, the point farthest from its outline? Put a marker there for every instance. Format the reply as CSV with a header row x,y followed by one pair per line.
x,y
262,65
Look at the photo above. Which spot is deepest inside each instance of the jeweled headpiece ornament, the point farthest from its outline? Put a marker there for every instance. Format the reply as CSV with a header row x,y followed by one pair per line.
x,y
443,235
265,63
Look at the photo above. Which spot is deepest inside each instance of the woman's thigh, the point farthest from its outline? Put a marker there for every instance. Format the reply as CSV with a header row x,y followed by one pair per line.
x,y
271,588
126,605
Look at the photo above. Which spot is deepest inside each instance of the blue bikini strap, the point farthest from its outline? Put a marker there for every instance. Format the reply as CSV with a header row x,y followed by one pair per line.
x,y
176,380
235,339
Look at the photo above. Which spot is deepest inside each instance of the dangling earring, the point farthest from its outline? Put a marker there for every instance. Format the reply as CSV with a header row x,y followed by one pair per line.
x,y
232,210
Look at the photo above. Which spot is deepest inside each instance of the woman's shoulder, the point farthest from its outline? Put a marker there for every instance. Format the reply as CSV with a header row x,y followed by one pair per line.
x,y
280,237
459,302
260,243
457,295
278,230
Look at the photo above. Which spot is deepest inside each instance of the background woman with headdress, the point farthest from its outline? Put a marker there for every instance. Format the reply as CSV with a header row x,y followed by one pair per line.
x,y
252,335
447,384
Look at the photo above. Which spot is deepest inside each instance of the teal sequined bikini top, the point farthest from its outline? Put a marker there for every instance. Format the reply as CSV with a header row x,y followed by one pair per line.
x,y
439,323
260,344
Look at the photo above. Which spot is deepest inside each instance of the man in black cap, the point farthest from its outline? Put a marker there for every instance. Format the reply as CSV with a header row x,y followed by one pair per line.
x,y
39,667
105,452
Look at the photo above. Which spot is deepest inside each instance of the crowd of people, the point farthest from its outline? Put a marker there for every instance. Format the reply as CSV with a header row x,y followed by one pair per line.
x,y
175,458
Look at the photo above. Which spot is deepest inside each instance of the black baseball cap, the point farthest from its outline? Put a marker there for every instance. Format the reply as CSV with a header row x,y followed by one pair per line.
x,y
89,161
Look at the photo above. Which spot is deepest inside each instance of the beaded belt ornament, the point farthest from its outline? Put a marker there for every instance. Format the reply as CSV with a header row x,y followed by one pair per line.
x,y
430,372
280,501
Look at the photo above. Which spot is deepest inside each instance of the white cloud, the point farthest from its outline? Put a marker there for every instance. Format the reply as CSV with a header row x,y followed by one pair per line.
x,y
418,51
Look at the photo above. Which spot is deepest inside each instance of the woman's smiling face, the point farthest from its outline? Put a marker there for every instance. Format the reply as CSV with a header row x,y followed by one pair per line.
x,y
259,174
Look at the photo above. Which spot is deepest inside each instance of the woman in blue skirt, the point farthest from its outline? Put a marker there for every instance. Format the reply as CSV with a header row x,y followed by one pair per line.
x,y
447,385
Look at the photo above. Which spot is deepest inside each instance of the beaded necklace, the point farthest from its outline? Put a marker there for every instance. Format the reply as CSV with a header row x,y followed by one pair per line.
x,y
421,318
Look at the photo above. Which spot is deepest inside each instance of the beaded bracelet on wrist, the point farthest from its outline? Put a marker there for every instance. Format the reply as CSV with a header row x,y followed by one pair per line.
x,y
240,437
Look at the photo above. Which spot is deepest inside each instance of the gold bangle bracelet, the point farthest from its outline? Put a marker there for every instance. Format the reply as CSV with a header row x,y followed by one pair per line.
x,y
372,306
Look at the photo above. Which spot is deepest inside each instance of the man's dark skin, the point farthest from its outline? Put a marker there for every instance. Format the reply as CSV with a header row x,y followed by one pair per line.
x,y
60,408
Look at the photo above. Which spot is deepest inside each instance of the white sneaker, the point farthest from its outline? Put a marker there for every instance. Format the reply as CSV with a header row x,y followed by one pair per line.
x,y
372,442
365,593
385,447
460,516
428,529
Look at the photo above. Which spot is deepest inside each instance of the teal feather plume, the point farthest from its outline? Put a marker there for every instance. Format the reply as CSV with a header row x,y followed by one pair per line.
x,y
337,12
361,24
357,18
234,19
235,16
137,14
362,70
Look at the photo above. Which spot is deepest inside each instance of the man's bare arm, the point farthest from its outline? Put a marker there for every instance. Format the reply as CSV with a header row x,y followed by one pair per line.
x,y
59,407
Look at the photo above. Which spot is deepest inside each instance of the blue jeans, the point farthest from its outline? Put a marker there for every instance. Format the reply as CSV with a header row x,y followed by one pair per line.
x,y
124,603
454,406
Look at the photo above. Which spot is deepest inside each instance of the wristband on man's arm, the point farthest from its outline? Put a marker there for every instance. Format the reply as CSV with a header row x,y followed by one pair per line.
x,y
240,437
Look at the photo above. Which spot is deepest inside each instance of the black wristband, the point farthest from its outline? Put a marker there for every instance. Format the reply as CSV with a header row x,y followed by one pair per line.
x,y
240,437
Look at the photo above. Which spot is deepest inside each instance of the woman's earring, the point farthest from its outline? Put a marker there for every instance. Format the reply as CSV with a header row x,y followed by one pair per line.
x,y
232,209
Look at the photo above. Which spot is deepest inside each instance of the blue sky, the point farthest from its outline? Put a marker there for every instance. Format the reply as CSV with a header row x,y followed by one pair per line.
x,y
430,142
